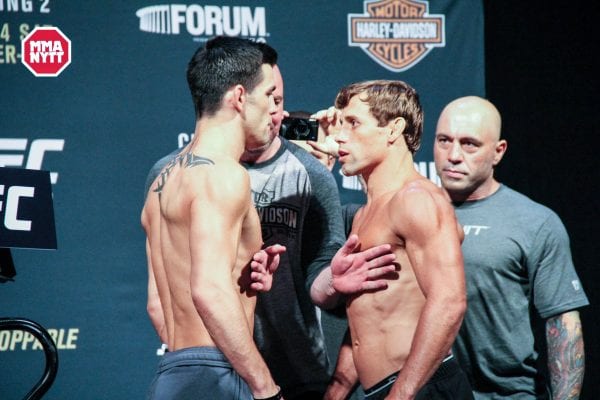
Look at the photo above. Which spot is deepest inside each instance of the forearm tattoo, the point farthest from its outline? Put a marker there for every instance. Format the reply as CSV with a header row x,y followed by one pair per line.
x,y
566,357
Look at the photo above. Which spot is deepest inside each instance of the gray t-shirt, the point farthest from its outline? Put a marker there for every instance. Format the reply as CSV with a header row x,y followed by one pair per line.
x,y
298,203
519,272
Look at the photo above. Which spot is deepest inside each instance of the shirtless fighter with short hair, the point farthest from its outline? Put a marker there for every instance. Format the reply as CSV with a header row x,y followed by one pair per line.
x,y
202,232
400,336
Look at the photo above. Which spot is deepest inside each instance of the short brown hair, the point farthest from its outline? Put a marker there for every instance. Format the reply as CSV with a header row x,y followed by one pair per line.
x,y
388,100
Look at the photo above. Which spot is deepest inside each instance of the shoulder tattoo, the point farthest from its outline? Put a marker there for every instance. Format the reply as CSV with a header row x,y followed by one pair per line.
x,y
186,160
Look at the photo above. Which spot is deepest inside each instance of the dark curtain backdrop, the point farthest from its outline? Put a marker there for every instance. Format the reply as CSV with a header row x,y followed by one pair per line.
x,y
541,72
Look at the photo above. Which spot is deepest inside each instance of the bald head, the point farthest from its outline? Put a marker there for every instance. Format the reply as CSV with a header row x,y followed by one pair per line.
x,y
468,147
473,111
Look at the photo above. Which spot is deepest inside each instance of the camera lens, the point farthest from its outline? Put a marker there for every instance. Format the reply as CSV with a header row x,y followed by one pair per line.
x,y
302,129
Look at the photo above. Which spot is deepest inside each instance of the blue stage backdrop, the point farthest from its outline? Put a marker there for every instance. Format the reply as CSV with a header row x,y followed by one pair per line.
x,y
123,102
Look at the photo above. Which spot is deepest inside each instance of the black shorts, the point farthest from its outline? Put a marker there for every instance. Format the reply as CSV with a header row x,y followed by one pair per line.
x,y
449,382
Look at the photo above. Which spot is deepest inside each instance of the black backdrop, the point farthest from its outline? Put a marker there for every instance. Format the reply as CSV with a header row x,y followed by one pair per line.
x,y
541,73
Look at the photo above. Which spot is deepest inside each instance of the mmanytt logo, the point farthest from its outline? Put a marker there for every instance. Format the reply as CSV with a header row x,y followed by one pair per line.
x,y
397,34
203,22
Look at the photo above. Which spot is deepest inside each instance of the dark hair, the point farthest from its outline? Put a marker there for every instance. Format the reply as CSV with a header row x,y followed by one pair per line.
x,y
388,100
222,63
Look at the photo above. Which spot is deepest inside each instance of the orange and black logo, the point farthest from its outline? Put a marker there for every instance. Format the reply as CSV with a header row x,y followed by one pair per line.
x,y
397,34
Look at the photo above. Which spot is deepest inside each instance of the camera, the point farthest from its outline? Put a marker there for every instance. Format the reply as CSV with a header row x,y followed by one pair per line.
x,y
299,129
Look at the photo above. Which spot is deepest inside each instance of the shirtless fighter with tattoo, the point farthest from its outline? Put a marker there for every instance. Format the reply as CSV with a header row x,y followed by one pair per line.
x,y
203,231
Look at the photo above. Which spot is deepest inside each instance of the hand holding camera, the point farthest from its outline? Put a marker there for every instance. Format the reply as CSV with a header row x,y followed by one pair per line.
x,y
315,133
330,125
299,129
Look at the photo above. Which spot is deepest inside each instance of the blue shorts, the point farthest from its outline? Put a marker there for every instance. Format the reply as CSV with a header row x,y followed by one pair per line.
x,y
197,373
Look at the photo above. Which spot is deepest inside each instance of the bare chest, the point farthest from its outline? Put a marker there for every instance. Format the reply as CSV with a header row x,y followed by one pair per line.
x,y
374,226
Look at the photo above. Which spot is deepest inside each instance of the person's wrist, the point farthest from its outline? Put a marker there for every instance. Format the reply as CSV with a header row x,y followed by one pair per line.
x,y
330,289
337,391
276,396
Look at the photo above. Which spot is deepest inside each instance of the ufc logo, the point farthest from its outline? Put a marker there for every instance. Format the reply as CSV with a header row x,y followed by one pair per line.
x,y
13,195
35,156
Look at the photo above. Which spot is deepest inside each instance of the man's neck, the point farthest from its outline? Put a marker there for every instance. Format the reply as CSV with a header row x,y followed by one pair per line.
x,y
390,175
481,192
218,136
263,154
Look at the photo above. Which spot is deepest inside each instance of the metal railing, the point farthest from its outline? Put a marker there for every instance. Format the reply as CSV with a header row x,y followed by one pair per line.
x,y
44,383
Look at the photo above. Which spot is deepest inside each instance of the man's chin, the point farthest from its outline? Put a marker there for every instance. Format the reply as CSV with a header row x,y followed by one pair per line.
x,y
456,190
451,184
257,150
348,171
260,148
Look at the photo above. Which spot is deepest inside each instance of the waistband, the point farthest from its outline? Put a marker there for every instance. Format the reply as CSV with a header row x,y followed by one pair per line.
x,y
209,356
447,368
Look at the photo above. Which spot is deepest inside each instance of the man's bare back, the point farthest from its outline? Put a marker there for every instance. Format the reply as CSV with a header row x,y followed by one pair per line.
x,y
191,189
203,233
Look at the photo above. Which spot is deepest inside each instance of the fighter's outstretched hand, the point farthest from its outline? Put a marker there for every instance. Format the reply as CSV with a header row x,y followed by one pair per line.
x,y
264,263
366,270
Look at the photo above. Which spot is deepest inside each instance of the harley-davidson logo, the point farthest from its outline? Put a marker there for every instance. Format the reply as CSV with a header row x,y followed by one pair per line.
x,y
397,34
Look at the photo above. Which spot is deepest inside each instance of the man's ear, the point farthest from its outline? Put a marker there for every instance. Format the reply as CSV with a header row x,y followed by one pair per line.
x,y
499,151
396,126
236,97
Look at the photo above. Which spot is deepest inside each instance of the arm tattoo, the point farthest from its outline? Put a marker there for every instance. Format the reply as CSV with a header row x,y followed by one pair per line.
x,y
566,357
187,160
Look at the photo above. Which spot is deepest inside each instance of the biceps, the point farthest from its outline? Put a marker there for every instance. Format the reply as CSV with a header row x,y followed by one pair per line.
x,y
438,264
